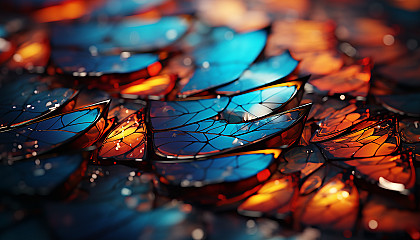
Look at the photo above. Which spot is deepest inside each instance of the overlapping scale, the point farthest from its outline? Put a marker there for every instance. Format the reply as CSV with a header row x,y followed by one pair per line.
x,y
44,135
370,139
339,121
393,172
217,181
352,80
274,198
303,159
199,92
210,137
221,169
233,109
261,73
113,205
170,114
334,206
127,141
25,98
223,59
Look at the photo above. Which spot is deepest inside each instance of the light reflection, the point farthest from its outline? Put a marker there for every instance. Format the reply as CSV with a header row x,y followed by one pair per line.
x,y
158,85
391,185
373,224
334,206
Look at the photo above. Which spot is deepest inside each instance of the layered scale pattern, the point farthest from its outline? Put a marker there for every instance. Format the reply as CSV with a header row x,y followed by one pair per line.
x,y
210,119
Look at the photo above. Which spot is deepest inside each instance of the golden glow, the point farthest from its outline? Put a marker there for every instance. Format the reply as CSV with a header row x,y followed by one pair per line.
x,y
29,51
391,185
127,136
65,11
372,141
334,206
274,196
157,85
273,186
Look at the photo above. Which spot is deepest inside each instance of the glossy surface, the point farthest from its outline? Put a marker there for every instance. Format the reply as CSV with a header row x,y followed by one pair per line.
x,y
199,141
26,99
44,135
210,137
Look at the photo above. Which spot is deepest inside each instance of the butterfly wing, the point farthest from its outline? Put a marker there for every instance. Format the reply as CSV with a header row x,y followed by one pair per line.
x,y
274,198
44,135
25,99
225,58
339,121
221,169
211,137
127,141
334,206
234,109
262,102
261,73
394,172
371,138
80,63
170,114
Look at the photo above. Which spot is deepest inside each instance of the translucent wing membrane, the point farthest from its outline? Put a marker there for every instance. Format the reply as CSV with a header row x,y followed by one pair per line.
x,y
210,137
25,99
352,80
303,159
261,102
46,134
261,73
370,139
231,168
391,172
223,59
129,34
334,206
238,108
127,141
81,63
166,115
339,121
274,198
